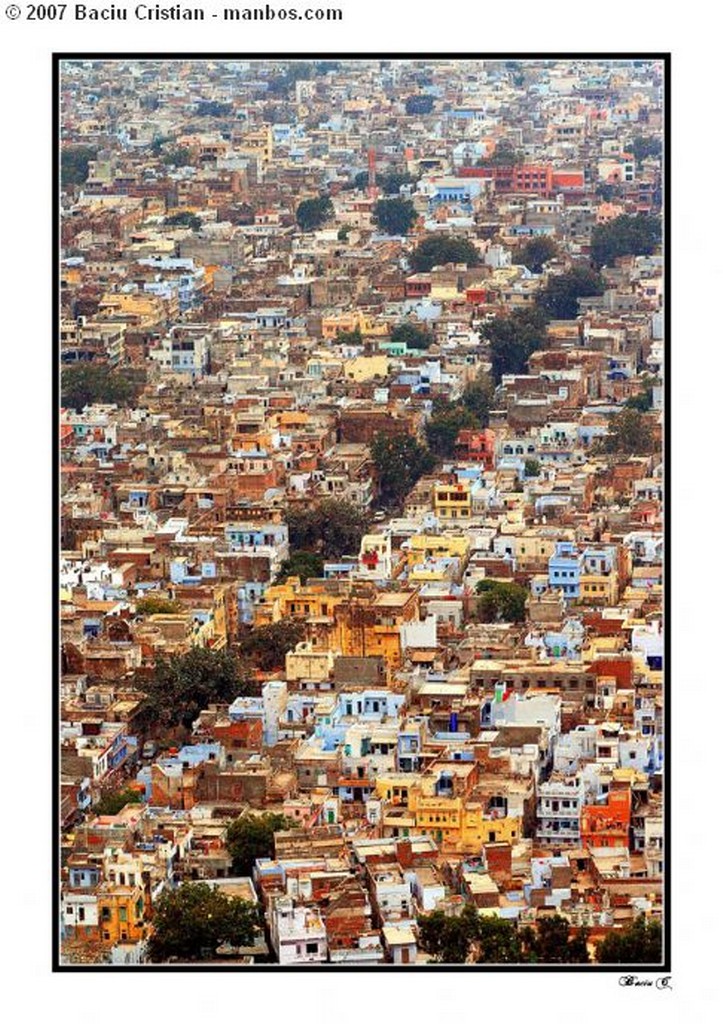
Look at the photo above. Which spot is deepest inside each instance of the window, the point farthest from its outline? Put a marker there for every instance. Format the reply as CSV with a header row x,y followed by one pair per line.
x,y
312,947
105,914
81,913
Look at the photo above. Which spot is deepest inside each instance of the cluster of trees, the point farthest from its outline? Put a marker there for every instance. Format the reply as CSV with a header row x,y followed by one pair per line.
x,y
535,253
252,836
313,213
400,460
74,162
212,108
157,606
640,943
504,155
471,938
625,236
643,401
389,182
265,647
304,564
629,433
444,425
185,219
331,528
419,104
178,156
436,250
412,335
87,383
513,339
183,685
394,216
559,298
644,146
532,467
191,922
472,411
112,803
354,337
500,602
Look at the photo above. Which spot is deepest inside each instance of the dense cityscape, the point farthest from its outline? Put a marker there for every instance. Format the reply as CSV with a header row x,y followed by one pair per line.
x,y
361,526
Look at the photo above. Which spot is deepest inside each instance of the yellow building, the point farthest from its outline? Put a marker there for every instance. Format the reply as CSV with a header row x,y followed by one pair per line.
x,y
596,588
453,501
121,913
425,545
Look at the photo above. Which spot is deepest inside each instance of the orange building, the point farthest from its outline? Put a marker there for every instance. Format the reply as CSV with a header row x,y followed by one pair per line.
x,y
607,824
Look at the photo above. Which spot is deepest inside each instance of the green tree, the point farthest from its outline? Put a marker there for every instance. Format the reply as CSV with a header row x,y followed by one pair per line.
x,y
550,942
501,602
412,335
629,433
177,156
112,803
419,104
513,339
504,155
639,943
354,337
559,297
212,108
392,181
437,250
191,922
157,606
331,528
183,685
89,383
185,219
643,401
536,253
74,162
400,461
497,942
449,938
266,646
311,214
251,836
444,426
625,236
644,146
304,564
532,467
394,216
477,397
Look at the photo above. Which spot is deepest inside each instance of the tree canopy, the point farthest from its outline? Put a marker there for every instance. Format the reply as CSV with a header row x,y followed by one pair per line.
x,y
513,339
625,236
477,397
412,335
559,297
191,922
552,942
500,601
629,433
251,836
266,647
444,425
153,605
112,803
184,219
89,383
535,253
394,216
419,104
436,250
304,564
644,146
400,461
74,161
640,943
331,528
183,685
313,213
